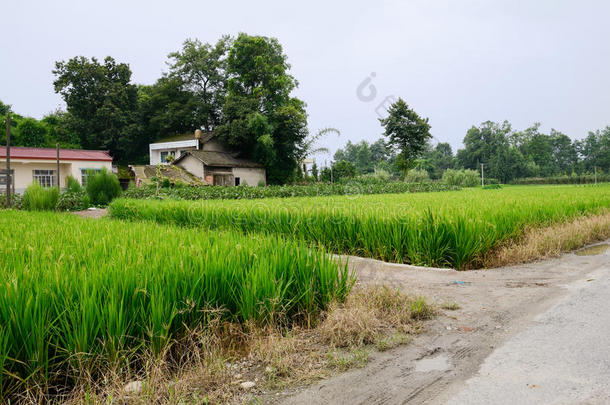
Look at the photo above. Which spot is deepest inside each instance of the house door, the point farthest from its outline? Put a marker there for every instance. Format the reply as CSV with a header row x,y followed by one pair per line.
x,y
223,179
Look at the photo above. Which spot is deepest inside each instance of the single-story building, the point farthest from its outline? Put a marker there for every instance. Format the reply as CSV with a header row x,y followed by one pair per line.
x,y
40,164
222,168
206,157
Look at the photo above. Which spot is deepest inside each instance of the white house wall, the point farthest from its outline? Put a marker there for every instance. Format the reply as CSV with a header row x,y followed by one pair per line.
x,y
192,165
250,176
23,169
173,148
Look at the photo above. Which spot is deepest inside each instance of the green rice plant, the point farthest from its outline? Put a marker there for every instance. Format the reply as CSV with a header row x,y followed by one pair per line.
x,y
451,229
102,187
78,297
38,198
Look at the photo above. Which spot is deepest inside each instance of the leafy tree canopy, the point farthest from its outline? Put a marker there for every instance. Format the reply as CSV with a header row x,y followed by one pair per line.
x,y
407,132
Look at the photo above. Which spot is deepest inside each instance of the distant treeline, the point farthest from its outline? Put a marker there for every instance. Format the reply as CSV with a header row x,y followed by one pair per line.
x,y
507,155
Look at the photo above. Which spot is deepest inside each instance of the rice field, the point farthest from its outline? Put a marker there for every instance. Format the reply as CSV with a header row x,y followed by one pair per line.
x,y
80,296
450,229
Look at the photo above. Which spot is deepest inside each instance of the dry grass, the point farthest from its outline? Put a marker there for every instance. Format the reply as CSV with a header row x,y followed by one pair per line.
x,y
368,314
540,243
215,361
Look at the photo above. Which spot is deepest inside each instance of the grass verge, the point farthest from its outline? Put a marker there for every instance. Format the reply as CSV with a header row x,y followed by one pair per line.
x,y
551,241
236,363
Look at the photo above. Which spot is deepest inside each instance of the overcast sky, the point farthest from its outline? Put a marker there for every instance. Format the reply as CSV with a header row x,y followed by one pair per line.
x,y
458,62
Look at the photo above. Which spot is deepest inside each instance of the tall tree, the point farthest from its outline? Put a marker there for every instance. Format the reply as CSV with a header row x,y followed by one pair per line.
x,y
31,132
201,68
101,101
407,132
260,117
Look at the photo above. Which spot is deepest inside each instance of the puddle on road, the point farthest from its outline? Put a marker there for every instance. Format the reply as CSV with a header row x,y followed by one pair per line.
x,y
593,250
438,363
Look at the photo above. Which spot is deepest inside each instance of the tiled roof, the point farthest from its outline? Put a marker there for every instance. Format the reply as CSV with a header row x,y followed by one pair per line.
x,y
174,173
210,158
18,152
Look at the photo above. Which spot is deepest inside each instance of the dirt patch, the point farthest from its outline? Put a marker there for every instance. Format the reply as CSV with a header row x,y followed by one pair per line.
x,y
486,308
96,213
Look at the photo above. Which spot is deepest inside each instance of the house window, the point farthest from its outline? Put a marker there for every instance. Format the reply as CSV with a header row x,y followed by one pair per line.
x,y
237,180
3,177
85,173
164,156
46,178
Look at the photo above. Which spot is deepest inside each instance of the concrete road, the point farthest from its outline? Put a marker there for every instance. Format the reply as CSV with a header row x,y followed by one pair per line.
x,y
536,333
562,358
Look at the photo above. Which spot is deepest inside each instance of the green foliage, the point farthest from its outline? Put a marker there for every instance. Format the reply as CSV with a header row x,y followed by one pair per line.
x,y
98,295
260,118
31,132
452,229
347,186
572,179
72,201
407,132
343,170
461,178
38,198
16,199
366,157
417,176
72,185
102,187
202,70
102,104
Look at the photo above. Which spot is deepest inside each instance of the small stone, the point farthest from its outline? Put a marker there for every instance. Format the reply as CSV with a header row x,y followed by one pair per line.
x,y
268,370
247,384
133,387
238,376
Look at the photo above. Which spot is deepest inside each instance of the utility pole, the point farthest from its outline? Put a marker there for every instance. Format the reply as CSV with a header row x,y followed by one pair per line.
x,y
595,168
482,176
8,159
57,146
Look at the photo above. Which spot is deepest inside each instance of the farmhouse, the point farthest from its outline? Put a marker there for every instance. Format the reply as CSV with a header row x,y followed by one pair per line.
x,y
40,164
204,156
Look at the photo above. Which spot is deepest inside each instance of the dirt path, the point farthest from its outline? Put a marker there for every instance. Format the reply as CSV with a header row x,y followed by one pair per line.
x,y
96,213
495,306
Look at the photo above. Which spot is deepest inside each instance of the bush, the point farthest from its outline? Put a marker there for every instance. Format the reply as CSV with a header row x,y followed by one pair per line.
x,y
37,198
72,185
16,201
72,201
461,178
102,187
417,176
343,169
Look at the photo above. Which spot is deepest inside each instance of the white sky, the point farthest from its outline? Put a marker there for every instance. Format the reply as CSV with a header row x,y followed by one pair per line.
x,y
457,62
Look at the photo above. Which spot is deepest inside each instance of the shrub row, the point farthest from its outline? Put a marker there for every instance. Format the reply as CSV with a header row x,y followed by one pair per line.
x,y
310,190
574,179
